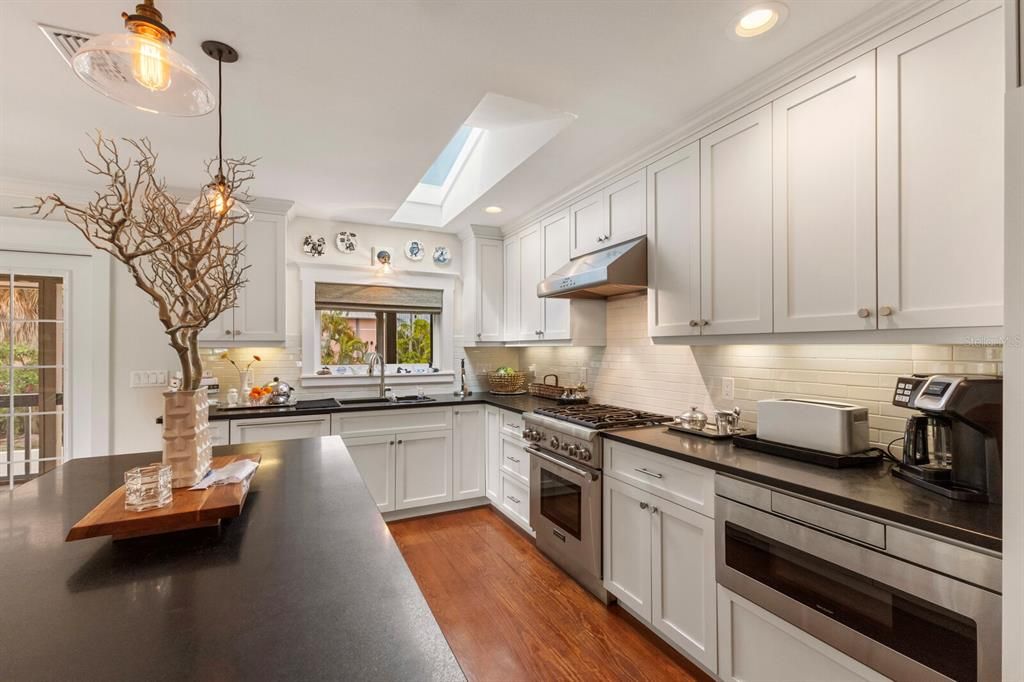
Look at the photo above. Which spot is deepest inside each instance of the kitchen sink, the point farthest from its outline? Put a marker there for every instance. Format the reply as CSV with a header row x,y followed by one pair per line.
x,y
414,399
364,401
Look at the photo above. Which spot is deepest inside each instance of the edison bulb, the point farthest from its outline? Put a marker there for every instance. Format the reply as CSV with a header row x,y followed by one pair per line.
x,y
149,65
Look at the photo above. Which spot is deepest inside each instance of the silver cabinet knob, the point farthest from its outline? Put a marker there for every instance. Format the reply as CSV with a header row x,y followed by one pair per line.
x,y
237,332
479,334
885,310
704,323
654,510
863,312
644,505
694,323
227,332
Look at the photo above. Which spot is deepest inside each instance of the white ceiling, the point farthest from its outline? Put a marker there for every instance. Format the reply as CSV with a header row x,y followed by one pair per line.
x,y
348,103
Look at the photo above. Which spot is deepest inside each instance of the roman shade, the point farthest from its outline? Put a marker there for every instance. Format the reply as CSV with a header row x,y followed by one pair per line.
x,y
331,296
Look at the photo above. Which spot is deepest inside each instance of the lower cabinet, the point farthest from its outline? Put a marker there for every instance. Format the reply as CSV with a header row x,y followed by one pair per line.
x,y
758,646
279,428
423,469
468,458
220,432
515,501
659,560
375,458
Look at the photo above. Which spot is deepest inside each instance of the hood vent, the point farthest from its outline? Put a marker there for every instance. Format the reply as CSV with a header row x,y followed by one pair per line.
x,y
67,42
620,269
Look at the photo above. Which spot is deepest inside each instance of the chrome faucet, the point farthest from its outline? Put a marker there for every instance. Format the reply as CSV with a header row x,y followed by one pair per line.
x,y
372,357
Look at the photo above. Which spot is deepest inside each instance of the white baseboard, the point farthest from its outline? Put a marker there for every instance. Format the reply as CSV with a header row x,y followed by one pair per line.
x,y
435,509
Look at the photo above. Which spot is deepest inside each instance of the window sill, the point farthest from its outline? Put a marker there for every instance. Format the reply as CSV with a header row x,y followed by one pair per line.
x,y
441,377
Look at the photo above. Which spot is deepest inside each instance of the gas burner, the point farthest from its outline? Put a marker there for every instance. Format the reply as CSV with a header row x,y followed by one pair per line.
x,y
602,417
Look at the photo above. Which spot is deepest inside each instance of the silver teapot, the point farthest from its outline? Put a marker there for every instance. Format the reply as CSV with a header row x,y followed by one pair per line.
x,y
280,392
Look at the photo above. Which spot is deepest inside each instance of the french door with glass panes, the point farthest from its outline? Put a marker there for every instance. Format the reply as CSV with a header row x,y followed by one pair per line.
x,y
33,349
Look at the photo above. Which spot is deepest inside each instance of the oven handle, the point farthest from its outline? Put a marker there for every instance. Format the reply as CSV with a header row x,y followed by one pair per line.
x,y
565,465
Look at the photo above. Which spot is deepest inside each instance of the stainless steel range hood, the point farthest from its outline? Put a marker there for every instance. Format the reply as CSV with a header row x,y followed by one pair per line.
x,y
619,269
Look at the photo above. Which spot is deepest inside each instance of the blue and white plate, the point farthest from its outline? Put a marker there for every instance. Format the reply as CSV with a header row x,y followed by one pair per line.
x,y
414,249
442,256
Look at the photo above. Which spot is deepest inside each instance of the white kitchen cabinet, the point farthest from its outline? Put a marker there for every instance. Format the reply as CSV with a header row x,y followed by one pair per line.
x,y
220,432
374,456
627,545
423,469
940,172
469,459
626,204
824,184
515,501
258,316
683,604
588,224
673,244
492,428
555,252
736,226
531,272
391,420
279,428
513,284
483,286
757,646
515,461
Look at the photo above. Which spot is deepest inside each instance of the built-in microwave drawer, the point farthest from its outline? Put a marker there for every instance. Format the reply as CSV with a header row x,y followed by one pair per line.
x,y
686,484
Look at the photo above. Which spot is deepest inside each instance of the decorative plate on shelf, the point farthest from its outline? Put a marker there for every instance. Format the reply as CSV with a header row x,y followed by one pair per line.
x,y
414,249
347,242
442,256
313,247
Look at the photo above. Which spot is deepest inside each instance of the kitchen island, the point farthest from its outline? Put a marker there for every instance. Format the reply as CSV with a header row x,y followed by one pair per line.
x,y
306,584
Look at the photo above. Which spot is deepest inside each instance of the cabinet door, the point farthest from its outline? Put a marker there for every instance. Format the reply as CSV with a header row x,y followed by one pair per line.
x,y
220,432
222,329
375,458
673,244
491,282
555,238
824,182
468,453
940,172
627,209
627,545
423,466
492,420
588,224
758,646
531,271
259,315
512,289
684,602
736,226
274,428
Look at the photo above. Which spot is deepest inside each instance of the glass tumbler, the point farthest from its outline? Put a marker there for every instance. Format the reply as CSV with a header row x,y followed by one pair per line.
x,y
147,487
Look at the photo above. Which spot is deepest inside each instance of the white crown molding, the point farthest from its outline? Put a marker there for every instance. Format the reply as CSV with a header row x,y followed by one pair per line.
x,y
834,49
484,231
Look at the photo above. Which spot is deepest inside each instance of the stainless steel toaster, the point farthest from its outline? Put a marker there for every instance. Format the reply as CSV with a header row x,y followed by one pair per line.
x,y
838,428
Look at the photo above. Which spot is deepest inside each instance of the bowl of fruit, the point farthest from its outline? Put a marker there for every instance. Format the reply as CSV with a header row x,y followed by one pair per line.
x,y
507,381
259,395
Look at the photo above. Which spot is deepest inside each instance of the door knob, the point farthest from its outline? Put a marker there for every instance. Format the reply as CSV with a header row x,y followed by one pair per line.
x,y
863,312
885,310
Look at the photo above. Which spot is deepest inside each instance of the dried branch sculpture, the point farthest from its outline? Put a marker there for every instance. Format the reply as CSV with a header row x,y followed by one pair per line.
x,y
183,258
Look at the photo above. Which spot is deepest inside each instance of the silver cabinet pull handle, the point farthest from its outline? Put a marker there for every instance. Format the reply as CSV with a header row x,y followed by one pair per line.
x,y
557,534
645,472
514,499
654,510
513,459
864,312
694,323
228,332
643,505
885,310
704,323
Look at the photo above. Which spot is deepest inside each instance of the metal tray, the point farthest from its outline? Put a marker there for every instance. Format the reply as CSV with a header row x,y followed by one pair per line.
x,y
707,432
826,459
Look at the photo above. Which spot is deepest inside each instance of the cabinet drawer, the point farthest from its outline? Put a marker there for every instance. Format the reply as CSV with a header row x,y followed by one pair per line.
x,y
512,424
394,420
515,500
686,484
514,459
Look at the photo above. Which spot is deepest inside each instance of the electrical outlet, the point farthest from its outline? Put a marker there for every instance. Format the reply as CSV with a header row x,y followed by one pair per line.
x,y
728,388
147,378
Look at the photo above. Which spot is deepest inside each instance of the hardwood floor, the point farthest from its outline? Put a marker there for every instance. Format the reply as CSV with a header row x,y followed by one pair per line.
x,y
510,614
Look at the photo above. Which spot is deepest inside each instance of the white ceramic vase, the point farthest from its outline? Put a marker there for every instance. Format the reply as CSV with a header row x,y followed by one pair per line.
x,y
187,446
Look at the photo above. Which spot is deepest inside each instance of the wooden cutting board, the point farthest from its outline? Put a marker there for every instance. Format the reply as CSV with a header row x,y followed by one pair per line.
x,y
188,509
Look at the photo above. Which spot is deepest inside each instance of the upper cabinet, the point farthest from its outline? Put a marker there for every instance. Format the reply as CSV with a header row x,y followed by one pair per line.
x,y
512,289
611,216
673,244
940,172
531,272
555,248
258,317
824,227
483,286
736,226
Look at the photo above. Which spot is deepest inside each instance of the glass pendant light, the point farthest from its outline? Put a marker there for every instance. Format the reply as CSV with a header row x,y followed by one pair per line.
x,y
215,194
139,67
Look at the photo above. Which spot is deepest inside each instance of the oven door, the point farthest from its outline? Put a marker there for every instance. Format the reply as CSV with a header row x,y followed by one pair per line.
x,y
905,621
565,512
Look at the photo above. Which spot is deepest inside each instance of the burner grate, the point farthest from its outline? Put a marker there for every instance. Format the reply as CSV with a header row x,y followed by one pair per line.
x,y
603,417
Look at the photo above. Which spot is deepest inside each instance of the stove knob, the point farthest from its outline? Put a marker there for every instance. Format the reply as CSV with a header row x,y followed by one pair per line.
x,y
574,451
527,434
585,454
554,442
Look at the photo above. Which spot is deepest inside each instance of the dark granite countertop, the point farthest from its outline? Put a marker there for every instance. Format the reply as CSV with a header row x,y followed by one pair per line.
x,y
517,403
871,490
307,584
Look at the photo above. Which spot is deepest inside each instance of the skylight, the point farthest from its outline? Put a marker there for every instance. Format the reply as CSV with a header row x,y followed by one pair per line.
x,y
445,161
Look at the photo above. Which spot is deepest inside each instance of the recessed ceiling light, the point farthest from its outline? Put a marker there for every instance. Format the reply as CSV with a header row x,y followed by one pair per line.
x,y
492,209
760,18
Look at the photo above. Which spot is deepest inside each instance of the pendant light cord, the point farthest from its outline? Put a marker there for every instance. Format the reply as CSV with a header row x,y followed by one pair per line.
x,y
220,117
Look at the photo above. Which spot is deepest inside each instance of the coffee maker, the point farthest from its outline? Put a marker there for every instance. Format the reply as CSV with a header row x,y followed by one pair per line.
x,y
954,445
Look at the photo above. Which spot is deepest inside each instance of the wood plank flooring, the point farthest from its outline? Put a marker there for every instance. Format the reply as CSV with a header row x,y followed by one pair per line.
x,y
510,614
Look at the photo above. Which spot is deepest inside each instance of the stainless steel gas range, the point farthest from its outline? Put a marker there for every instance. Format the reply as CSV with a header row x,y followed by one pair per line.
x,y
566,458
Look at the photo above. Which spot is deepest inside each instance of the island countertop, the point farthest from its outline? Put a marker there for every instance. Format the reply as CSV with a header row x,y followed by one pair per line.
x,y
306,584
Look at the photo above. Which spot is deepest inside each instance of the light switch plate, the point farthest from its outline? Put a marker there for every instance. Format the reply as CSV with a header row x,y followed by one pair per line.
x,y
148,378
728,388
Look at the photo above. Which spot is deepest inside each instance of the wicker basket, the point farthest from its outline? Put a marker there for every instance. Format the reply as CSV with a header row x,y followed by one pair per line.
x,y
507,383
546,390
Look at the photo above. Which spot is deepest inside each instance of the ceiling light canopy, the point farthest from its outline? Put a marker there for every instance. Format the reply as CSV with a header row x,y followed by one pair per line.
x,y
760,18
493,209
139,67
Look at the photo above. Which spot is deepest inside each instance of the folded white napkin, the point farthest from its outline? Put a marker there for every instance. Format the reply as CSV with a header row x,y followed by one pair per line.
x,y
236,472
